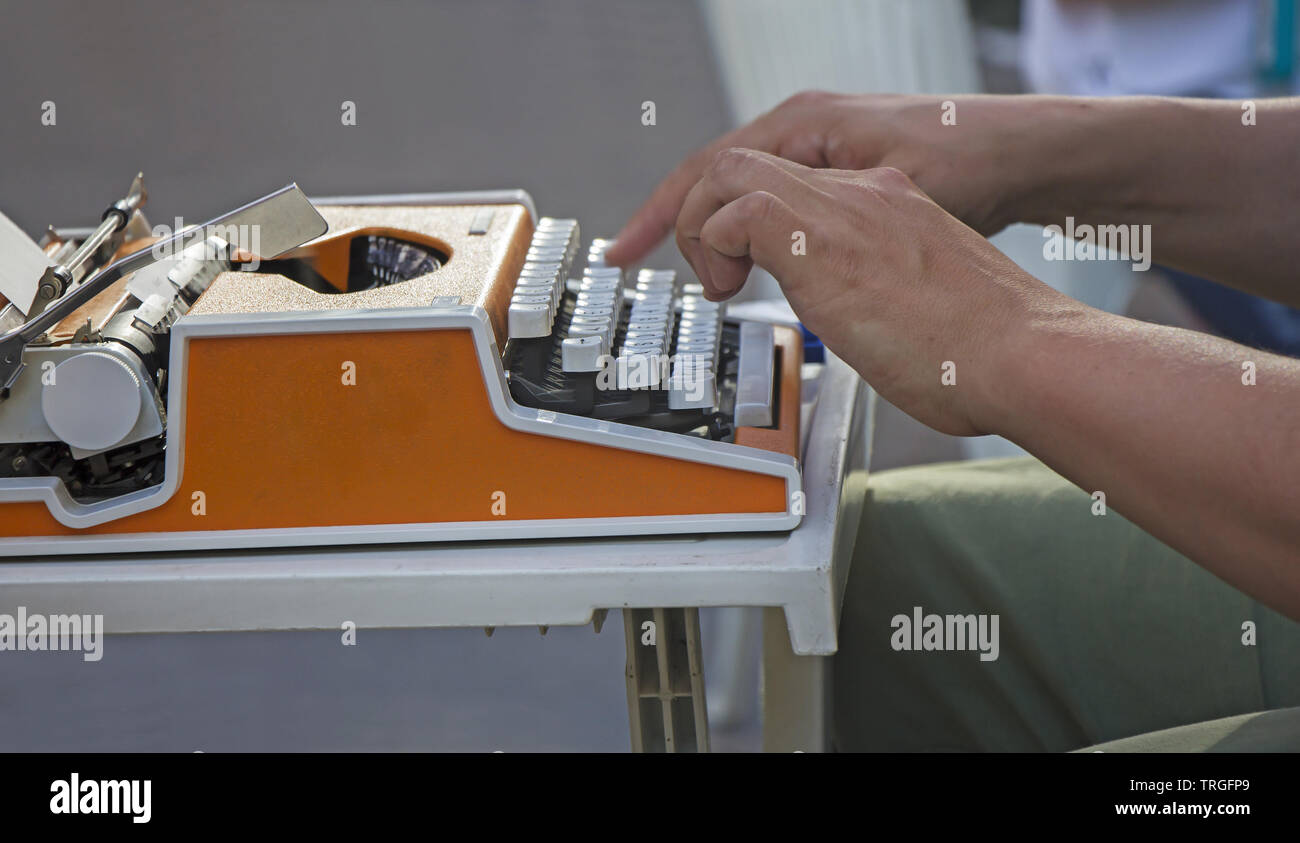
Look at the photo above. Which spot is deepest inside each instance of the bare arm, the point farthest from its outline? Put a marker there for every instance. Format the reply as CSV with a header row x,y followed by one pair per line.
x,y
1194,438
1222,197
1161,420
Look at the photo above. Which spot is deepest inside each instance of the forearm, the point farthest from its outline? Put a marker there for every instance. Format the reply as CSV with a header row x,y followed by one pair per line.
x,y
1160,420
1221,197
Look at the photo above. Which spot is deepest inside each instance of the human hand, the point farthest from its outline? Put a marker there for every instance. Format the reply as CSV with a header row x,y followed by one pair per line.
x,y
892,283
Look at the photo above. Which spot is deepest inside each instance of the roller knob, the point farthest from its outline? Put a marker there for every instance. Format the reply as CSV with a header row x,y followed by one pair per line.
x,y
92,401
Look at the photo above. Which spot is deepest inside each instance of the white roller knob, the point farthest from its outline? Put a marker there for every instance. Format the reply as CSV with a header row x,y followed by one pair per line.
x,y
92,401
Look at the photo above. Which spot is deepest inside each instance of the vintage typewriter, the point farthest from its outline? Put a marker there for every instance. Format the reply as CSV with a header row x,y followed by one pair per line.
x,y
425,367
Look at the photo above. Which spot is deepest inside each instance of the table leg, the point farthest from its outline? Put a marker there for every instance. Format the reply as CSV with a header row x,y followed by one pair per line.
x,y
665,680
797,692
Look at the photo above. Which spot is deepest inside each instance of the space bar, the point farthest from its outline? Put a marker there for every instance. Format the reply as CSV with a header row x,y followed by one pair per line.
x,y
754,375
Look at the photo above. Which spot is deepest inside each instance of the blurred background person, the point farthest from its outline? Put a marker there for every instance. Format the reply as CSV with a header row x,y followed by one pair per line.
x,y
1227,49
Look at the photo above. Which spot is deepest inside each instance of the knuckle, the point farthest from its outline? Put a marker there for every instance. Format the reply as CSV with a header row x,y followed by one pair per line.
x,y
811,96
728,160
758,204
890,178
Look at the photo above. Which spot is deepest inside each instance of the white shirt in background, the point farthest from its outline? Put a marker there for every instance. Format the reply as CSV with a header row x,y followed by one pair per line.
x,y
1162,47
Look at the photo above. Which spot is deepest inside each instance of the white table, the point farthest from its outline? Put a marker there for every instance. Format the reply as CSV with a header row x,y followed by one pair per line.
x,y
797,576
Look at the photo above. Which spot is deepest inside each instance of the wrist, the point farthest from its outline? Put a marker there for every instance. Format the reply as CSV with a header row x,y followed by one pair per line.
x,y
1023,357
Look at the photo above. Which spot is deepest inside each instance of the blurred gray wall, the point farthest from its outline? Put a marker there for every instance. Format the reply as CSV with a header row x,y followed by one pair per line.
x,y
220,102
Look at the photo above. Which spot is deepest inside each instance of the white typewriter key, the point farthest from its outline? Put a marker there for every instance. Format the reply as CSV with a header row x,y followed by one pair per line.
x,y
547,282
647,333
602,313
581,354
644,342
529,320
538,282
701,358
693,289
640,370
581,328
599,332
526,298
545,285
588,324
551,292
598,298
692,391
651,313
697,333
606,285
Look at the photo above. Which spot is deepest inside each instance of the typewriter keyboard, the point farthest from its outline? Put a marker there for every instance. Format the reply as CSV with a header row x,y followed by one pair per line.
x,y
644,348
